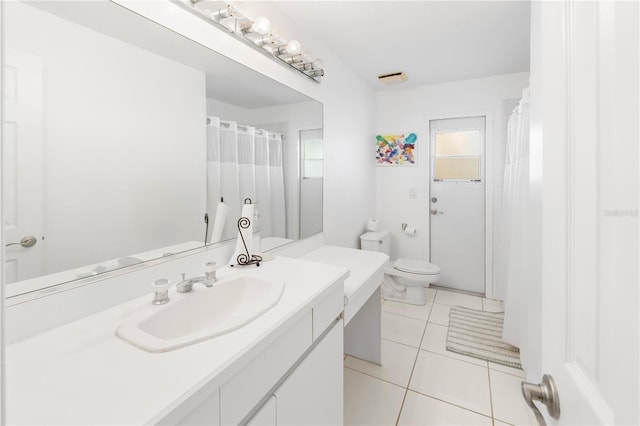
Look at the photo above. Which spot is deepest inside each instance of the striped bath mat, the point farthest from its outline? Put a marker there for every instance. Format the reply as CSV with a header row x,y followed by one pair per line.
x,y
479,334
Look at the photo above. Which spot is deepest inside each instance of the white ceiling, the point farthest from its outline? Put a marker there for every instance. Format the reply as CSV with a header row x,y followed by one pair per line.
x,y
431,41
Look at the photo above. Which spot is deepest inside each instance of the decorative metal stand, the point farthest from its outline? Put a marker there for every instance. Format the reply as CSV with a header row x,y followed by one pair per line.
x,y
246,258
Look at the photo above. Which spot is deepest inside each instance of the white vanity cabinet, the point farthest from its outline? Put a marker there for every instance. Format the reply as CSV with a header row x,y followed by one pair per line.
x,y
297,379
285,367
313,392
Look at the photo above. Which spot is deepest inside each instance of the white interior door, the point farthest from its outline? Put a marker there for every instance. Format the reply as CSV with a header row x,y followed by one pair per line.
x,y
457,191
22,164
584,140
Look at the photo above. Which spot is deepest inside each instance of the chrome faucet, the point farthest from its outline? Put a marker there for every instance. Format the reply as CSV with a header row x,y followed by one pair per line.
x,y
208,279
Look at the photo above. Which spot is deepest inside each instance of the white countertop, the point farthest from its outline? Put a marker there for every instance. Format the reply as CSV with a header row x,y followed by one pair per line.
x,y
82,373
366,272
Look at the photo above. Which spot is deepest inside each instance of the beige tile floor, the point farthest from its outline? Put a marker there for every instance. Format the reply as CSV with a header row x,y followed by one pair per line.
x,y
421,383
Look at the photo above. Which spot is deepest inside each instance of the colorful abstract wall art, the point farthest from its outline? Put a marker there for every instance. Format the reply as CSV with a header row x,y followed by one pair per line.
x,y
396,149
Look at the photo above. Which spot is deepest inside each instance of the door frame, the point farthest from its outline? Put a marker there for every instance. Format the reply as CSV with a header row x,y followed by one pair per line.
x,y
2,239
490,153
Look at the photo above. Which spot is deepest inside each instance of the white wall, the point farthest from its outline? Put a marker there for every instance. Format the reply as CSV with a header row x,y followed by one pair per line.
x,y
227,112
107,106
409,110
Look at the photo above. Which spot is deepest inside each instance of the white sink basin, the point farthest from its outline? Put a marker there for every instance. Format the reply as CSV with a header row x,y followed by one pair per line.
x,y
202,314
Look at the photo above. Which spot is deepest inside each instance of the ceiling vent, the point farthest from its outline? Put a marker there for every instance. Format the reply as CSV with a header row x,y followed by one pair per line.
x,y
393,78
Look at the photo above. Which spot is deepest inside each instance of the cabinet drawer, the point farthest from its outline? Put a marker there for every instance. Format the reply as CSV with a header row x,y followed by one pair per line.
x,y
245,390
327,310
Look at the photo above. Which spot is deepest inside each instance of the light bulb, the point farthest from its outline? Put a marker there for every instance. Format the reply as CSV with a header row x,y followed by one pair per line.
x,y
317,63
261,25
294,47
237,13
278,38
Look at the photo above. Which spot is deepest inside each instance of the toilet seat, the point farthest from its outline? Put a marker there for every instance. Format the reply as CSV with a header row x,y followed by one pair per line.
x,y
415,266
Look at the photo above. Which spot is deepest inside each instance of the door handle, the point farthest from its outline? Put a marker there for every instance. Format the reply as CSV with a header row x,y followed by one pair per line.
x,y
435,212
545,392
26,242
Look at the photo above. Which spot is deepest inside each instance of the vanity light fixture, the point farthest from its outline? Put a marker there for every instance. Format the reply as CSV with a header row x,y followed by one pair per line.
x,y
257,34
261,26
293,47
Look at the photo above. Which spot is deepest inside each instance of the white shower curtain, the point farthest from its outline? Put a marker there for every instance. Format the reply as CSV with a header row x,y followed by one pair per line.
x,y
263,192
514,215
246,161
213,169
243,162
276,180
229,177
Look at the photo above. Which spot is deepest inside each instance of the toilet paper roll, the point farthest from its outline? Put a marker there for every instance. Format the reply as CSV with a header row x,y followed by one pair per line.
x,y
410,231
373,225
246,233
220,220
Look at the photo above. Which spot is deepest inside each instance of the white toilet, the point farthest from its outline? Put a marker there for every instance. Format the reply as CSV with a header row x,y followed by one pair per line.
x,y
404,279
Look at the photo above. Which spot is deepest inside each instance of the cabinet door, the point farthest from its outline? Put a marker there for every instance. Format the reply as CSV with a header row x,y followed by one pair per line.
x,y
313,393
205,413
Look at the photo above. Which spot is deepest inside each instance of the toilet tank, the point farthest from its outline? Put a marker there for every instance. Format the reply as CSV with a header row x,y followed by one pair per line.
x,y
376,241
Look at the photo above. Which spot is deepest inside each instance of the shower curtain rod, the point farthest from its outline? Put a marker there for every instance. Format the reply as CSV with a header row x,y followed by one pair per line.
x,y
245,127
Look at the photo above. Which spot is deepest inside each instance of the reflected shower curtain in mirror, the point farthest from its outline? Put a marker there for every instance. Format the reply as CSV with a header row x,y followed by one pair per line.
x,y
213,170
276,180
246,170
263,191
229,176
243,162
511,251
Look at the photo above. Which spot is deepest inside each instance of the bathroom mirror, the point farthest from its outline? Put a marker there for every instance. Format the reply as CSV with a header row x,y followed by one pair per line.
x,y
109,140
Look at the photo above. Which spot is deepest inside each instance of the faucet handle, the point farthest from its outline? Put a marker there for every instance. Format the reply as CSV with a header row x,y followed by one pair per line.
x,y
161,291
210,269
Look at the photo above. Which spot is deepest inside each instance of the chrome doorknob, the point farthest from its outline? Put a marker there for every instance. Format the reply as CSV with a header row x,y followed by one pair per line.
x,y
28,241
547,393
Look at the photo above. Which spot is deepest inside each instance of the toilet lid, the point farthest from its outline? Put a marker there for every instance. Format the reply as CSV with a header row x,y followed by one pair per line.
x,y
416,266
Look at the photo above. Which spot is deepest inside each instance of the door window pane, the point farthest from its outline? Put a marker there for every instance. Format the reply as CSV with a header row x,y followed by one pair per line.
x,y
457,155
312,155
313,149
458,143
463,168
312,169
